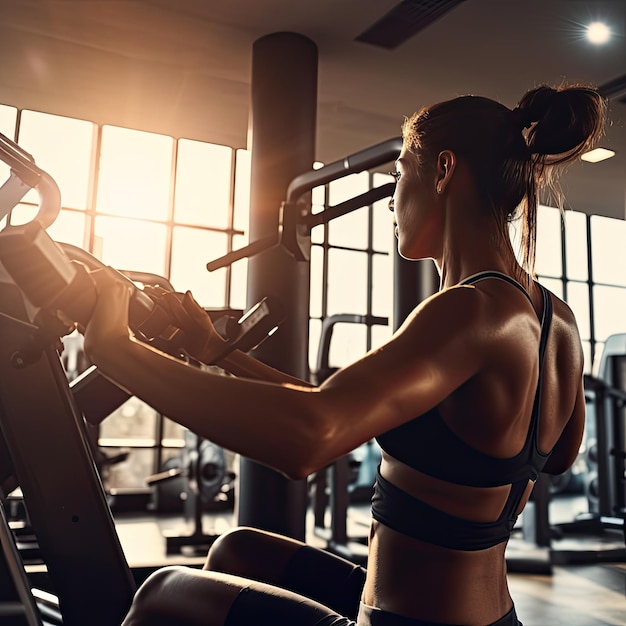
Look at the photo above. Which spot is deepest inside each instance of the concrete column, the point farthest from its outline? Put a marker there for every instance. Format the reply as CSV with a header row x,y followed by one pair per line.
x,y
413,281
282,130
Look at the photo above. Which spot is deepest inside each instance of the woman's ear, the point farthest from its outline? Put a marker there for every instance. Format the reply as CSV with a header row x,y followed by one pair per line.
x,y
446,162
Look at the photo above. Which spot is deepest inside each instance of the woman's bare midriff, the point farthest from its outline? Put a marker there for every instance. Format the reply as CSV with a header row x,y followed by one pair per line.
x,y
420,580
417,579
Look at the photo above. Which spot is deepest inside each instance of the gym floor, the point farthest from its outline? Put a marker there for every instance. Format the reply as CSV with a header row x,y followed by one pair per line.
x,y
592,593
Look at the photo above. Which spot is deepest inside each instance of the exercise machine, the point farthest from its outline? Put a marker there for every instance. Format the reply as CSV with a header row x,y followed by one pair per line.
x,y
605,483
44,449
45,452
599,534
349,479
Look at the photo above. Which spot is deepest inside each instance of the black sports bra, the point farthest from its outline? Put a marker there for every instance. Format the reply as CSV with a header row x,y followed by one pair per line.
x,y
428,445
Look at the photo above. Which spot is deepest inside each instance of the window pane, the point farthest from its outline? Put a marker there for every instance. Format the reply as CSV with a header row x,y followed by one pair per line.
x,y
132,472
553,284
608,253
203,179
382,285
316,282
548,261
347,282
173,432
318,194
576,245
191,249
348,344
317,232
380,335
351,229
383,237
239,277
133,420
24,213
69,227
242,193
62,146
8,117
315,332
135,173
599,348
578,300
131,245
609,311
588,365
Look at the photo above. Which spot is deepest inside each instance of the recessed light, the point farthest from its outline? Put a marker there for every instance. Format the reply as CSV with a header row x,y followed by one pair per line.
x,y
596,155
598,33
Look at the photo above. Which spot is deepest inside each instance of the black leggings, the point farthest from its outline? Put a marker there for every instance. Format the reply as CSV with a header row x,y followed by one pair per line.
x,y
319,589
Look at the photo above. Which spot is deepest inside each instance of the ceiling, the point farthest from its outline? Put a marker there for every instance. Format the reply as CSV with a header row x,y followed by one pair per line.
x,y
182,67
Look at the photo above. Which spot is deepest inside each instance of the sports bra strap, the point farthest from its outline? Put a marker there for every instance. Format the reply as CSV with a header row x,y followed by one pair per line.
x,y
545,320
475,278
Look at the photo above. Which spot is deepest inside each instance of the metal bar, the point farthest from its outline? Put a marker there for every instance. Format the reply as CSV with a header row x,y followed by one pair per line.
x,y
55,469
364,160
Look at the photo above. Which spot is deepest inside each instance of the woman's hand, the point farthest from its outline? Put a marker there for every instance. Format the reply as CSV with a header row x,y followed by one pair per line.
x,y
107,328
202,341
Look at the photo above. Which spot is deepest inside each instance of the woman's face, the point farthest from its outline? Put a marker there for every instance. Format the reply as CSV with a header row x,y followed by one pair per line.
x,y
415,209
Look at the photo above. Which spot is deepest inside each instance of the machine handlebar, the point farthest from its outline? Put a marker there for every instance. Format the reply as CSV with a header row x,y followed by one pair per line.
x,y
24,175
53,281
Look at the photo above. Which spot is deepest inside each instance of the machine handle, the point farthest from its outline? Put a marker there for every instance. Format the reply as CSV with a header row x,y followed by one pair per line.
x,y
23,166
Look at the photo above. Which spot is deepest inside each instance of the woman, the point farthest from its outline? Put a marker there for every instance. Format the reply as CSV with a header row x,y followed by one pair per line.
x,y
477,392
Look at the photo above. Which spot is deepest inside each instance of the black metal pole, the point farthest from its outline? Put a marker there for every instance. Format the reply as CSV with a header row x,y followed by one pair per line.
x,y
283,125
413,281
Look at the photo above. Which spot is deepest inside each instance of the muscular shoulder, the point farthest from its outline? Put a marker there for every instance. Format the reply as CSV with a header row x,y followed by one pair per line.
x,y
565,335
460,328
482,312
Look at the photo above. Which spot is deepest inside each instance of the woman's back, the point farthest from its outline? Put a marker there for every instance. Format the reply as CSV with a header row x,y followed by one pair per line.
x,y
492,413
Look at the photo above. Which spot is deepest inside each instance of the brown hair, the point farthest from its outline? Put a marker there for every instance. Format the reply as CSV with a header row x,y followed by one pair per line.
x,y
510,164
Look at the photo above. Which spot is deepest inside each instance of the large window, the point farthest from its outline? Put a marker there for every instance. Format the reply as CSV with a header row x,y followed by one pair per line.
x,y
351,273
580,259
147,203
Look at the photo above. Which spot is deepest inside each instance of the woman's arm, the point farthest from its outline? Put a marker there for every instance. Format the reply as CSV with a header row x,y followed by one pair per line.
x,y
567,447
204,343
243,365
294,428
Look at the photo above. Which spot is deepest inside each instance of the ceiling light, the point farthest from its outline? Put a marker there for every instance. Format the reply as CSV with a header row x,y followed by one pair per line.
x,y
598,33
596,155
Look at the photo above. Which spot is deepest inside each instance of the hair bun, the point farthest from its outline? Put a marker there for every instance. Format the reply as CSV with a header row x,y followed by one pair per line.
x,y
522,118
560,127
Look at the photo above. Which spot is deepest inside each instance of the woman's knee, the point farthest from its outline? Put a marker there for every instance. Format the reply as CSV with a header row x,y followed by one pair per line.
x,y
181,596
251,553
151,603
230,550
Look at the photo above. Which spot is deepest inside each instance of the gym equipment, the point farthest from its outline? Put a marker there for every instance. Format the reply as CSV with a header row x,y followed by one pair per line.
x,y
600,533
206,479
63,494
44,448
25,175
296,224
56,277
605,392
335,487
